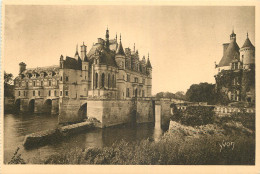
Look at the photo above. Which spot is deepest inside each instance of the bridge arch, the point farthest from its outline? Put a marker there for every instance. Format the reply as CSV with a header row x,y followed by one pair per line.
x,y
31,106
82,112
47,106
17,105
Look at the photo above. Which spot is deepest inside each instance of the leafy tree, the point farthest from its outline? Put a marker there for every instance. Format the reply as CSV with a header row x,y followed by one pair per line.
x,y
203,92
8,87
180,95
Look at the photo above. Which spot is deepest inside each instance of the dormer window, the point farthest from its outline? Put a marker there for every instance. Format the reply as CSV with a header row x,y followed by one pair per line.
x,y
42,75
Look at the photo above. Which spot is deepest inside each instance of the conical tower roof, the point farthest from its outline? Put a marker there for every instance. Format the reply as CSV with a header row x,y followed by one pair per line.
x,y
120,50
148,64
248,43
231,53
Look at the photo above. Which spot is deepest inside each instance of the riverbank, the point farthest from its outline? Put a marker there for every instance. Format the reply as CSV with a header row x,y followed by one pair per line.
x,y
221,143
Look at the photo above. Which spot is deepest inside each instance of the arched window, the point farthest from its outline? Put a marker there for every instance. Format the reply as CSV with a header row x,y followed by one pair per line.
x,y
103,80
96,82
108,81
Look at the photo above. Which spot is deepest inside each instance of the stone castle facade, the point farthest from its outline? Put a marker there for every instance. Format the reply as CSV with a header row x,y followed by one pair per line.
x,y
235,73
87,83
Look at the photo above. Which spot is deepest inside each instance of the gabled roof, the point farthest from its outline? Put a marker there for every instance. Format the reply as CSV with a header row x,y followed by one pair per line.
x,y
231,53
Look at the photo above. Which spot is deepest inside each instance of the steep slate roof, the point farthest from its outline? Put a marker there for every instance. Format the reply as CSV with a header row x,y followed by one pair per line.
x,y
248,43
112,46
107,58
71,63
231,53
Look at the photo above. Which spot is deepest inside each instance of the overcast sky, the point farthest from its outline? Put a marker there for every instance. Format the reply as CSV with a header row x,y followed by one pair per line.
x,y
183,42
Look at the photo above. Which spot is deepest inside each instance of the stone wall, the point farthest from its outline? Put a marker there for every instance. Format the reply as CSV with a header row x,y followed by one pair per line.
x,y
68,111
145,111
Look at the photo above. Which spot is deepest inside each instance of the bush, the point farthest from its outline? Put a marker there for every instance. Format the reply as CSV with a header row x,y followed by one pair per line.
x,y
195,116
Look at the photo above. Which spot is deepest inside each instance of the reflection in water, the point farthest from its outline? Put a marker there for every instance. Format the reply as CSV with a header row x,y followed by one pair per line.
x,y
17,126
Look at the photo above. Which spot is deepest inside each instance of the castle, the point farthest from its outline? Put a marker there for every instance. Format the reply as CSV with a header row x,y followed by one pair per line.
x,y
106,82
235,73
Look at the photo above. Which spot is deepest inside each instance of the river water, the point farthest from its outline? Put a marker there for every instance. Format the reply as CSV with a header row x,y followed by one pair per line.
x,y
17,126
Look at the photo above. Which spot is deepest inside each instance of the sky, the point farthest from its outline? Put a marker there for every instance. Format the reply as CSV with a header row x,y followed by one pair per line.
x,y
183,41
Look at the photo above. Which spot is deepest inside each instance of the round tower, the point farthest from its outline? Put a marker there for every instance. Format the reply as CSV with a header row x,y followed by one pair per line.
x,y
22,67
247,54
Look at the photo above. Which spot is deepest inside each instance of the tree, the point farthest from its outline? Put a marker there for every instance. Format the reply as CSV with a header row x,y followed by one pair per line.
x,y
8,87
203,92
180,95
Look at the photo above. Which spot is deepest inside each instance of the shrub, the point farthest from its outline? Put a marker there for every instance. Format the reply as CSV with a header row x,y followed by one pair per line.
x,y
195,115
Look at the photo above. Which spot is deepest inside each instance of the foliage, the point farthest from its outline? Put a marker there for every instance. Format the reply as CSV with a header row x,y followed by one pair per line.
x,y
203,92
246,119
178,95
194,115
17,159
8,87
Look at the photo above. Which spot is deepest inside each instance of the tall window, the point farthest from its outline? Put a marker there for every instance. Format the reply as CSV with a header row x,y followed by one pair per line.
x,y
34,83
55,93
33,93
39,93
108,81
128,78
60,93
67,93
96,81
49,83
27,84
41,83
19,93
67,78
60,78
127,92
103,80
57,82
49,93
113,80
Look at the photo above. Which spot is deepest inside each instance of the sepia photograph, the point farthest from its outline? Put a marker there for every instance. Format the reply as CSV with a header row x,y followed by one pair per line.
x,y
114,84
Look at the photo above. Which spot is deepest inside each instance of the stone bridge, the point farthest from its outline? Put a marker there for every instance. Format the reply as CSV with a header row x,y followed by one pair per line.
x,y
37,105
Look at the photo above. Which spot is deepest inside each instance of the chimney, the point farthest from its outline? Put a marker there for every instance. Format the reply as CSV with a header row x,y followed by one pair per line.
x,y
225,45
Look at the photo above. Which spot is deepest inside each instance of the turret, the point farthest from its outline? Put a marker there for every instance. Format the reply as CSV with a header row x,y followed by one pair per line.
x,y
22,67
120,55
247,53
61,61
77,53
233,36
84,52
149,66
107,38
